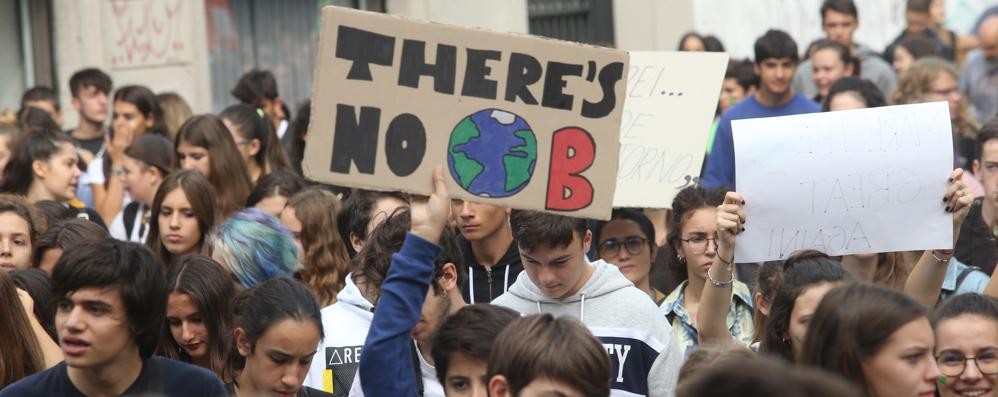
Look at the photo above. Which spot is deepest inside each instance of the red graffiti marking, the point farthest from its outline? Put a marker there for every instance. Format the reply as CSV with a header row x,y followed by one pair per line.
x,y
147,33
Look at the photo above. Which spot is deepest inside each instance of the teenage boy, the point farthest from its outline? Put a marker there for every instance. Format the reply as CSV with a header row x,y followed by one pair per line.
x,y
489,250
839,21
42,97
977,245
258,88
110,307
546,356
362,212
775,61
347,322
462,345
558,279
918,23
420,291
90,88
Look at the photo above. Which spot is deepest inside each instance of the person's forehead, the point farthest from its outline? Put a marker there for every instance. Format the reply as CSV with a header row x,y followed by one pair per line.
x,y
832,16
619,227
110,295
91,89
989,151
777,61
463,364
546,250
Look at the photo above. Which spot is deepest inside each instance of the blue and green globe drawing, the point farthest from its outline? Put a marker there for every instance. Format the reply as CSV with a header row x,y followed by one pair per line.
x,y
492,153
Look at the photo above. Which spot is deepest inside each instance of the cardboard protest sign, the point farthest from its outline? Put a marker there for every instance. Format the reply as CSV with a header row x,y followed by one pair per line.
x,y
516,120
868,180
671,97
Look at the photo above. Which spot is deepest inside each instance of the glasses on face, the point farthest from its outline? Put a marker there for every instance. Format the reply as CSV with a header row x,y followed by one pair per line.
x,y
611,248
698,244
953,364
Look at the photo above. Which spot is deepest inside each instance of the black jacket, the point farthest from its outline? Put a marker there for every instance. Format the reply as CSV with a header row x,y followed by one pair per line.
x,y
488,284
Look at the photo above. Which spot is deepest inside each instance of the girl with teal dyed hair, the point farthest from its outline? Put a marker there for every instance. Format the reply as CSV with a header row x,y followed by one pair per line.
x,y
255,247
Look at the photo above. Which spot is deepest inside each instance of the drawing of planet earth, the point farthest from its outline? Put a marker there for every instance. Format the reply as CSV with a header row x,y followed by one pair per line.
x,y
492,153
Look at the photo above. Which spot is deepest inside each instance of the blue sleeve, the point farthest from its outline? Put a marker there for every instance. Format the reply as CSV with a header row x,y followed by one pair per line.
x,y
721,162
388,348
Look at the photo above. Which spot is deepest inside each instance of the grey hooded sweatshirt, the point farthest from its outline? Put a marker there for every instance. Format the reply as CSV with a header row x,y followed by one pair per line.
x,y
644,355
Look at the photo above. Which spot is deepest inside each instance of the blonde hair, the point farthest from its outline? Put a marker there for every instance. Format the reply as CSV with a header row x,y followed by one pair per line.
x,y
175,112
917,82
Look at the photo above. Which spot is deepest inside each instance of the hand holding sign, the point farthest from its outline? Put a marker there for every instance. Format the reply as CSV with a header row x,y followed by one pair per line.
x,y
520,121
430,214
958,201
845,182
730,222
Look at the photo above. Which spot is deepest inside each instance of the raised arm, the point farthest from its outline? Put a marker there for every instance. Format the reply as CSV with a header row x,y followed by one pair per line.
x,y
387,349
712,314
992,289
51,352
927,276
113,190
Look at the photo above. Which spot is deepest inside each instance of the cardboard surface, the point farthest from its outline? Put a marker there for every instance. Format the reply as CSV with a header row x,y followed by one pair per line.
x,y
671,97
855,181
515,120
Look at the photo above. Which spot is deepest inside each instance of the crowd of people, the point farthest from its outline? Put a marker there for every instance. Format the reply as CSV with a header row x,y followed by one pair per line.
x,y
157,252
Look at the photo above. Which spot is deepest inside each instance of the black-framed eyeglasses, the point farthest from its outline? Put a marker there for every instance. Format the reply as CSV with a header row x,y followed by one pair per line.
x,y
611,248
953,364
698,244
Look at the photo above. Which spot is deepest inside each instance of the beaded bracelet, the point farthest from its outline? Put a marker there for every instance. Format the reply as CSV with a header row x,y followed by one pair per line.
x,y
943,253
719,284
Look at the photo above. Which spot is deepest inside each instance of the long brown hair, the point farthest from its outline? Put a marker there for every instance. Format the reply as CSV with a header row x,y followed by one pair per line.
x,y
851,324
211,288
228,171
200,194
253,124
21,355
324,253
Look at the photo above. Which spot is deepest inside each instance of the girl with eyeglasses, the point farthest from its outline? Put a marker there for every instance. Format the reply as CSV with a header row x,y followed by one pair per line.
x,y
256,140
693,235
933,79
967,345
627,241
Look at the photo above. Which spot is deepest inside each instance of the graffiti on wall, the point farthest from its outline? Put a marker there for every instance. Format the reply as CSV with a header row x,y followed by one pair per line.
x,y
140,33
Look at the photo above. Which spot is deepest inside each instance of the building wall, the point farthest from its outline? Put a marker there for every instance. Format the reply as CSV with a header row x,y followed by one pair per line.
x,y
503,16
12,62
157,43
651,25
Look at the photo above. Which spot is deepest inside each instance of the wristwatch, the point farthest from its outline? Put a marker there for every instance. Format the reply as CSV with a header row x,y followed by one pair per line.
x,y
117,171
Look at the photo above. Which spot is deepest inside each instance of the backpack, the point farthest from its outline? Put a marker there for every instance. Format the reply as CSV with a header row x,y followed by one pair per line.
x,y
129,213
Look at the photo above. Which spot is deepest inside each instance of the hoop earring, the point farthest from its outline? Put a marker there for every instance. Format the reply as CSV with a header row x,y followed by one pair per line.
x,y
681,259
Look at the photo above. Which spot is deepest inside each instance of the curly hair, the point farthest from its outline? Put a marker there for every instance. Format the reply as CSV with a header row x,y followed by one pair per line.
x,y
917,82
324,254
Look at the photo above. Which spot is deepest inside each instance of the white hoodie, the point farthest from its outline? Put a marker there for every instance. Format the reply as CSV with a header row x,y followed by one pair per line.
x,y
345,324
644,355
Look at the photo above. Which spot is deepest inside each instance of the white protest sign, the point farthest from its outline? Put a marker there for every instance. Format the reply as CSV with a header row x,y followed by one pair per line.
x,y
867,180
671,97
